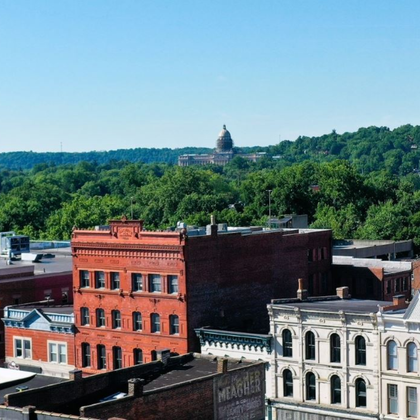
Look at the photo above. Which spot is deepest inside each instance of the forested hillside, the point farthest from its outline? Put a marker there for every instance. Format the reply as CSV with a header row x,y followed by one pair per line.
x,y
48,200
368,149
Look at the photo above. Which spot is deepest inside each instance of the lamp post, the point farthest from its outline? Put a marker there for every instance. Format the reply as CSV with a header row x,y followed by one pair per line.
x,y
269,208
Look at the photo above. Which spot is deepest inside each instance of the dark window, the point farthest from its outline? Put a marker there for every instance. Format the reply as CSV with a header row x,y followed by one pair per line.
x,y
287,343
116,319
137,282
324,282
311,285
392,354
138,356
310,345
335,347
388,287
412,364
155,283
100,317
84,278
173,284
287,383
84,316
310,386
405,284
101,356
115,281
310,255
117,356
99,279
173,324
335,390
360,393
155,323
137,321
154,355
360,350
85,354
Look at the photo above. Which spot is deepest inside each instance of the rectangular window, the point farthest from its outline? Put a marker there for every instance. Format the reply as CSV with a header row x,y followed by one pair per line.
x,y
392,399
23,348
84,316
117,355
310,255
155,283
115,281
411,401
138,356
173,284
84,278
100,317
99,279
85,354
136,282
57,352
137,321
101,356
116,319
388,287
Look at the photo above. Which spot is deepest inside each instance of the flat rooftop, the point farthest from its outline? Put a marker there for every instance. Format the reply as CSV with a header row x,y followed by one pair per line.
x,y
335,305
60,263
46,309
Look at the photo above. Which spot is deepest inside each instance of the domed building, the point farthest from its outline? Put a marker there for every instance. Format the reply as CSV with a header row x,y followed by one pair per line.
x,y
222,155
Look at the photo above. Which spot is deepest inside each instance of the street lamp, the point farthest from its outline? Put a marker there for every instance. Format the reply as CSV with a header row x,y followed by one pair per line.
x,y
269,208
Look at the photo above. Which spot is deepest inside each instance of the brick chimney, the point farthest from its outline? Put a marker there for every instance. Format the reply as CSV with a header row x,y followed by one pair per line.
x,y
135,387
398,301
343,292
302,293
222,365
75,375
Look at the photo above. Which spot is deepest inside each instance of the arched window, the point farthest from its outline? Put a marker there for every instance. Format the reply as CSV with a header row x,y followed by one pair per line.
x,y
287,343
84,316
116,319
360,350
310,386
392,355
412,363
287,383
155,323
85,355
117,357
335,348
335,390
100,317
137,321
138,356
360,393
101,354
310,345
173,324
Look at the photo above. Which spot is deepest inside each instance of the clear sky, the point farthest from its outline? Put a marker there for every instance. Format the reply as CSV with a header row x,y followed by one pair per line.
x,y
109,74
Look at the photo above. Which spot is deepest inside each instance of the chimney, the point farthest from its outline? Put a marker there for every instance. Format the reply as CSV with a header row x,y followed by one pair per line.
x,y
135,387
398,301
302,294
163,356
75,375
343,292
213,226
222,365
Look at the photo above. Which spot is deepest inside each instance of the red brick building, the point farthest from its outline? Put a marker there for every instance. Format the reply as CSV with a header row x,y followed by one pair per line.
x,y
137,292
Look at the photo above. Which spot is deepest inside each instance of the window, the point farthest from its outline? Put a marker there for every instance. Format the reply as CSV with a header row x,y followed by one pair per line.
x,y
137,321
85,354
360,393
392,355
388,287
335,390
138,356
155,323
287,383
287,343
115,281
412,364
136,282
155,283
360,350
23,348
173,324
84,278
310,255
116,319
310,386
173,284
392,399
99,279
100,317
411,401
405,284
101,356
84,316
335,349
310,345
117,357
57,352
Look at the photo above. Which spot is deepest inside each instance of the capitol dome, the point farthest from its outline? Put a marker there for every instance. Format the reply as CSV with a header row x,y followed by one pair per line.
x,y
224,141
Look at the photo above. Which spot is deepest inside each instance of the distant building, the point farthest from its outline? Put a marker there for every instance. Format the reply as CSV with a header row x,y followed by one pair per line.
x,y
222,155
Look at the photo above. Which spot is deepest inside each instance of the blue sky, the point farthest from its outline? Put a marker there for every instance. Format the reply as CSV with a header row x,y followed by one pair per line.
x,y
102,74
